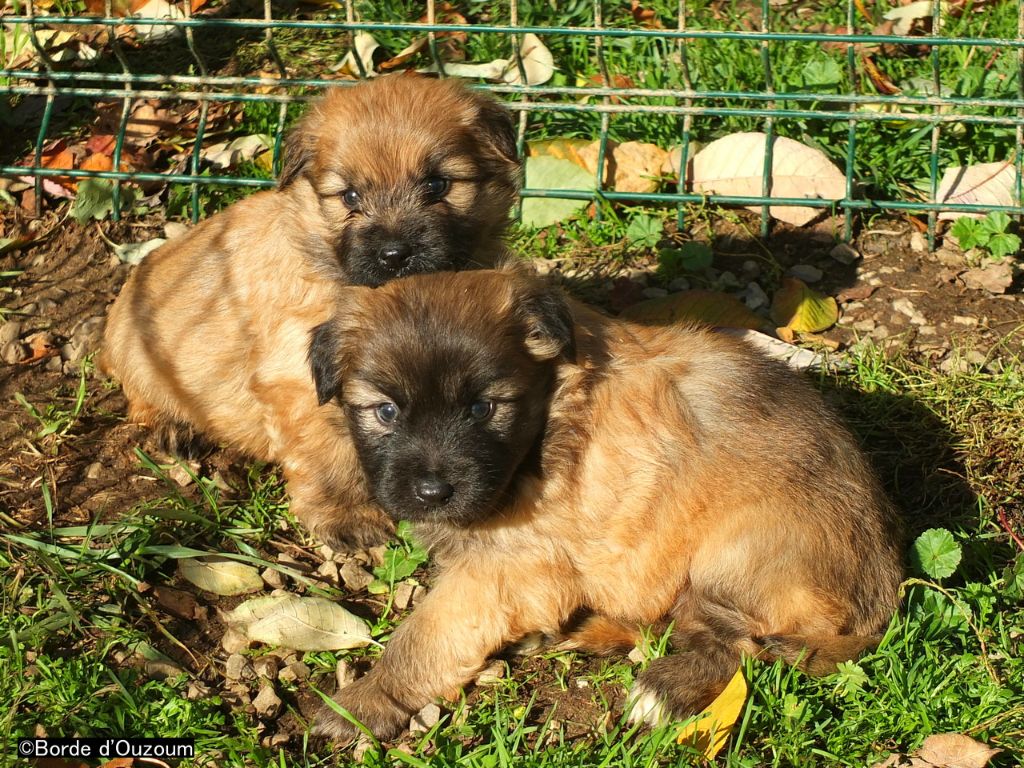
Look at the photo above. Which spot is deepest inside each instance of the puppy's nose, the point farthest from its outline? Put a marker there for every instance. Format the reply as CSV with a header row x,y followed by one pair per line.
x,y
393,255
433,490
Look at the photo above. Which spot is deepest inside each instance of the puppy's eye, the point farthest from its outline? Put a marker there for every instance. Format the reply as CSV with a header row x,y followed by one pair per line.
x,y
387,413
437,186
481,410
351,198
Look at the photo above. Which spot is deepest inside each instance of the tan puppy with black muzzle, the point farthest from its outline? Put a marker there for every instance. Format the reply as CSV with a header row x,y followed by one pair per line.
x,y
397,176
561,464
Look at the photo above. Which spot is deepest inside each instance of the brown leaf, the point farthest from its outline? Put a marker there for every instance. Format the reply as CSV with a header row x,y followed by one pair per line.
x,y
994,278
645,17
954,750
178,602
97,162
880,81
103,143
708,307
633,166
979,184
856,293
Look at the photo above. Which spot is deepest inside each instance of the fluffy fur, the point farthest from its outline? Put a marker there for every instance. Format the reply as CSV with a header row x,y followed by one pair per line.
x,y
624,474
401,175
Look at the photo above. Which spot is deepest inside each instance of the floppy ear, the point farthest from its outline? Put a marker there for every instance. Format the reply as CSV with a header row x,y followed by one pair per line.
x,y
550,329
324,349
299,147
496,123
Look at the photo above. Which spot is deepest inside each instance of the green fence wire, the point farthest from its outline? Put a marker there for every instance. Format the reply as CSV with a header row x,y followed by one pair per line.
x,y
678,96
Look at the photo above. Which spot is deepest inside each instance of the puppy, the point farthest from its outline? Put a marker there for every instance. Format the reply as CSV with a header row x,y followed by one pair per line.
x,y
400,175
561,463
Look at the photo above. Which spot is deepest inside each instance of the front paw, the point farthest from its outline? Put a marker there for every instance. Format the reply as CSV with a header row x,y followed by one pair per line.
x,y
383,715
356,531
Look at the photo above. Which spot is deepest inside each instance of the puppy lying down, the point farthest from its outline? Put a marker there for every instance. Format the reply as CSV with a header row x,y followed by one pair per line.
x,y
562,464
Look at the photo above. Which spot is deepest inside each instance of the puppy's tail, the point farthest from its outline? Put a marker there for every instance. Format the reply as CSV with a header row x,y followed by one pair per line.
x,y
816,654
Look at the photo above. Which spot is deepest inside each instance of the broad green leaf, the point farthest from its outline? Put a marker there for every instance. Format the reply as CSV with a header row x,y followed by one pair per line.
x,y
95,200
995,223
851,677
711,728
968,233
687,257
1013,579
708,307
1003,244
644,231
552,174
220,575
936,553
801,309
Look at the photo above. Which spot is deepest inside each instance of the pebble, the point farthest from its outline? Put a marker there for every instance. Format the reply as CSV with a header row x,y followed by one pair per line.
x,y
754,296
239,668
994,278
196,691
355,578
294,672
750,269
363,745
918,242
679,284
806,272
273,578
179,472
906,307
950,256
637,656
234,641
492,673
418,594
54,365
9,331
425,719
928,330
963,320
654,293
638,276
865,326
881,332
844,254
13,352
403,595
267,703
267,667
728,280
329,571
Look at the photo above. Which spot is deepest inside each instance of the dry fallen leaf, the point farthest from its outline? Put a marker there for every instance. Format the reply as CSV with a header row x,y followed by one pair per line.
x,y
734,165
364,47
904,16
954,750
220,575
537,60
227,155
708,307
562,149
801,309
981,184
302,623
711,728
633,166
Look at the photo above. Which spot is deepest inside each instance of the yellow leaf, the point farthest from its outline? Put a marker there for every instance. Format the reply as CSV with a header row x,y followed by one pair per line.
x,y
710,729
801,309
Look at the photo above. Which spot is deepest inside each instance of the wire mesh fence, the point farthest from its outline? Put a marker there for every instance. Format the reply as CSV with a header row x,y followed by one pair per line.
x,y
893,105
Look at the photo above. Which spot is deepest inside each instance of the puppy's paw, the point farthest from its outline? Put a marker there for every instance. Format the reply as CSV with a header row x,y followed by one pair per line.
x,y
645,705
181,440
352,532
381,714
675,687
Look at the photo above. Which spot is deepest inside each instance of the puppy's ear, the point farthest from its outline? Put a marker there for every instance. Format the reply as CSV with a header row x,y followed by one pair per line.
x,y
299,147
324,351
549,323
496,124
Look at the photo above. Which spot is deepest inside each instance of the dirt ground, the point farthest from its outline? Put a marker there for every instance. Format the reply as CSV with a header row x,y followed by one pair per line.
x,y
918,301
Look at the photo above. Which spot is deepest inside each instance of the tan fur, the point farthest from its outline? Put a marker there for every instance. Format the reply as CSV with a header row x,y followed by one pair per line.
x,y
683,477
210,333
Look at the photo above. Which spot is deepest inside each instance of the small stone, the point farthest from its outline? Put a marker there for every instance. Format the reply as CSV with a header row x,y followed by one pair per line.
x,y
162,670
363,745
928,330
581,683
326,552
234,641
89,332
875,281
918,243
196,691
853,306
425,719
418,594
638,276
356,579
679,284
654,293
844,254
267,703
974,357
54,365
492,673
728,280
239,668
344,674
13,352
9,331
806,272
377,554
294,672
273,578
179,472
750,269
637,656
881,332
949,256
403,595
905,307
267,667
954,364
94,470
864,326
274,740
963,320
328,570
754,296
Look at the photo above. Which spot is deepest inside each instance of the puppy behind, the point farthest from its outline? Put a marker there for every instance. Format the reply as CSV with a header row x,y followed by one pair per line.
x,y
400,175
557,461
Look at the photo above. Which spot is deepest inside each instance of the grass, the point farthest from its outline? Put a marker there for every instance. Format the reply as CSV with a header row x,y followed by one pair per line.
x,y
74,603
